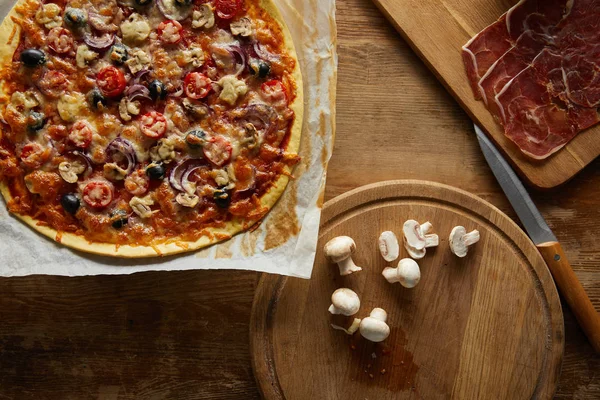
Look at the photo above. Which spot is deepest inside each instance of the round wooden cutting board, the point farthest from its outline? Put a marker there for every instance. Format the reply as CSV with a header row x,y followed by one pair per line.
x,y
488,326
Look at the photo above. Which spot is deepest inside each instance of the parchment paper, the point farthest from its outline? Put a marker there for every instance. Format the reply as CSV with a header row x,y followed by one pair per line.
x,y
285,241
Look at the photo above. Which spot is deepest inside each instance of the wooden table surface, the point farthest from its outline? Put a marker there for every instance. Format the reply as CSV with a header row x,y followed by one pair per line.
x,y
184,335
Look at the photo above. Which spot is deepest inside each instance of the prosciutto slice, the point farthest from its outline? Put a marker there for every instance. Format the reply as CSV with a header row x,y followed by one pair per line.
x,y
545,87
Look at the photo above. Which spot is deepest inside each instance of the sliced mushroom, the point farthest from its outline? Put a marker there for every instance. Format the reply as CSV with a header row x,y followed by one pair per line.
x,y
460,240
241,27
113,172
187,200
416,239
141,206
69,170
388,246
204,17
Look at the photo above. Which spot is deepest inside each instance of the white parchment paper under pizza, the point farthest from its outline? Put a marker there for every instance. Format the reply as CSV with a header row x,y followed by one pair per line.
x,y
285,241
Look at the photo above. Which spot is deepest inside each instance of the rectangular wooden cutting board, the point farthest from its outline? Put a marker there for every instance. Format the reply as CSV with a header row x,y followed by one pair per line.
x,y
436,30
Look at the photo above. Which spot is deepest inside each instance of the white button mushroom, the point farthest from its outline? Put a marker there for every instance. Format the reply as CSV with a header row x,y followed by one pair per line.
x,y
352,329
460,240
373,327
388,246
416,239
339,250
407,273
344,301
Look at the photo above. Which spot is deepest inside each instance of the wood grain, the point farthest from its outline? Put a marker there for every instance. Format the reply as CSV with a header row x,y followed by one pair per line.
x,y
490,323
436,30
381,125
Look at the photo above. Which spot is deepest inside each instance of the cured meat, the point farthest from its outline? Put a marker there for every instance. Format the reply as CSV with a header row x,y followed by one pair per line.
x,y
545,88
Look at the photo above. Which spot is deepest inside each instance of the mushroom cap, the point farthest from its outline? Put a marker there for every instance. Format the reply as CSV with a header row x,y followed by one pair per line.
x,y
413,235
345,301
339,248
409,273
374,328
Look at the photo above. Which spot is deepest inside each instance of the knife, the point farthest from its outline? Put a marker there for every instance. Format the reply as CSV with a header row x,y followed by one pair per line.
x,y
543,238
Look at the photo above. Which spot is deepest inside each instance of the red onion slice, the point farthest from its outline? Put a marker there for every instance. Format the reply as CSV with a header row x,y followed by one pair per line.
x,y
124,147
173,11
256,113
101,43
137,91
185,166
264,53
137,79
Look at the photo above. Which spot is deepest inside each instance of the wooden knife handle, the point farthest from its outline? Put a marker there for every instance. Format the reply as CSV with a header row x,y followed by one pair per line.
x,y
572,291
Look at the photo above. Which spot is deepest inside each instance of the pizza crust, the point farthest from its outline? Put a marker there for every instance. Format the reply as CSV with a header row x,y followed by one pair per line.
x,y
173,246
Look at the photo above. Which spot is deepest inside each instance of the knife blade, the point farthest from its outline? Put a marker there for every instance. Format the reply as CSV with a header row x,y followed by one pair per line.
x,y
542,236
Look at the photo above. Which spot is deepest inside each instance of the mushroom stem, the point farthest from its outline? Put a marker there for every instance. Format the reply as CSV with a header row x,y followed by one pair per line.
x,y
347,266
426,227
471,238
432,240
391,275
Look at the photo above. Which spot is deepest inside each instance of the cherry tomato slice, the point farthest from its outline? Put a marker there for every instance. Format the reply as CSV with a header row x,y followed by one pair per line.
x,y
218,150
170,32
98,194
81,134
153,125
274,92
34,155
197,85
60,40
137,183
111,81
227,9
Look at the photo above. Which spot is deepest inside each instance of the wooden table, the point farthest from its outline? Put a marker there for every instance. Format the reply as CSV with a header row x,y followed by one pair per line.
x,y
184,335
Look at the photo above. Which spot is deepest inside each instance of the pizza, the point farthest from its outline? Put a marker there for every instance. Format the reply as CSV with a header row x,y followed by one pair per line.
x,y
137,128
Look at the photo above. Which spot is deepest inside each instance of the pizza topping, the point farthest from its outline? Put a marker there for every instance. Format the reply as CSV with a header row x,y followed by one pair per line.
x,y
156,171
111,81
187,200
60,40
232,89
197,85
102,23
176,10
75,17
118,54
141,206
70,202
84,56
158,90
98,193
196,109
96,99
81,134
204,17
100,43
196,138
114,172
119,218
274,92
259,67
137,183
242,27
135,30
153,125
35,121
193,56
218,150
49,16
170,32
222,198
127,108
70,106
138,61
33,155
32,57
227,9
121,152
69,170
